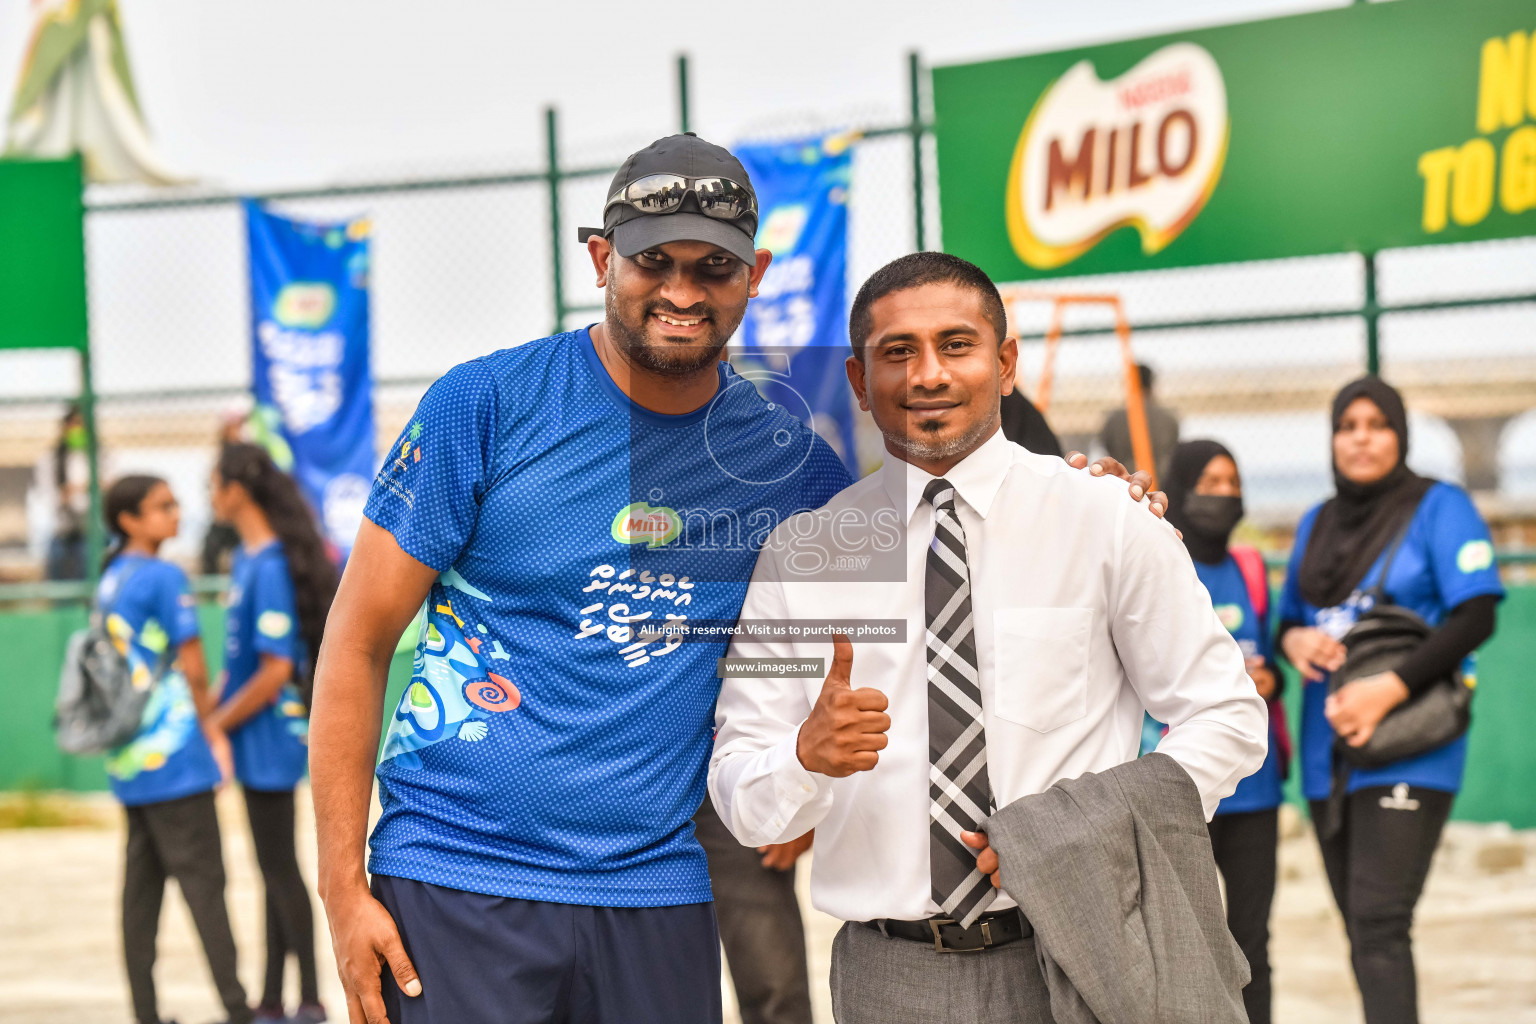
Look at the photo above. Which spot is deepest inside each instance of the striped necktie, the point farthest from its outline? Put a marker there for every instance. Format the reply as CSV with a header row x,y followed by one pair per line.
x,y
960,797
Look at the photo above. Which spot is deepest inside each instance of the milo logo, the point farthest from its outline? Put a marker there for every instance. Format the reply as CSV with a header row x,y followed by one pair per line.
x,y
639,523
1145,149
304,304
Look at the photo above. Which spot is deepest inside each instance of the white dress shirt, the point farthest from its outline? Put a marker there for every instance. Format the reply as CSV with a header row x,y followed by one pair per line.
x,y
1087,609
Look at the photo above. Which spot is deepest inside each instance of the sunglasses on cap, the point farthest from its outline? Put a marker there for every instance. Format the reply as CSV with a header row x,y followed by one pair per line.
x,y
720,198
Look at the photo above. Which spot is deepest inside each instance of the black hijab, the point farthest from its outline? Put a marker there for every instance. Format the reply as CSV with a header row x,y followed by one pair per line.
x,y
1024,424
1360,520
1206,543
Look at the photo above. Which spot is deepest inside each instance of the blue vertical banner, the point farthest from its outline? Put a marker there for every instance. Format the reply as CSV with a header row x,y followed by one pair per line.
x,y
796,330
310,367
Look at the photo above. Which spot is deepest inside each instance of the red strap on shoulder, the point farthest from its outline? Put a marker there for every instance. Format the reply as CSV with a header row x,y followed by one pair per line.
x,y
1251,563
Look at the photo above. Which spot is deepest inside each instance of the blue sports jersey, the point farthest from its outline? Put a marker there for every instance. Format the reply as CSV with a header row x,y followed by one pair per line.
x,y
553,743
150,613
1446,558
1229,593
272,746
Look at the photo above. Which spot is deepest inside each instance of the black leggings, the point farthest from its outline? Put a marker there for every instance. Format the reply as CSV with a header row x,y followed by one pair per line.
x,y
290,916
1377,864
177,839
1244,845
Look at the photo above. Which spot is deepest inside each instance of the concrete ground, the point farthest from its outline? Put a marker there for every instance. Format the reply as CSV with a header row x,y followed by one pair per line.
x,y
60,961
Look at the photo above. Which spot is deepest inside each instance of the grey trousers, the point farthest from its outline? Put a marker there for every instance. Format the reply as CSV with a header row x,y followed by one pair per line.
x,y
760,927
879,980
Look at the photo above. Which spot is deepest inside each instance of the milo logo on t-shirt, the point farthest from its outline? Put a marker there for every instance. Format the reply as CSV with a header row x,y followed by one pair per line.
x,y
640,523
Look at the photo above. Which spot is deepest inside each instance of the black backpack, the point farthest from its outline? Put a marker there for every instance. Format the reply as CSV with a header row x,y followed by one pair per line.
x,y
98,707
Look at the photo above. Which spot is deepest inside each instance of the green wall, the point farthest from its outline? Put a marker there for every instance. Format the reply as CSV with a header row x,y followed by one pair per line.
x,y
29,760
1501,764
1501,767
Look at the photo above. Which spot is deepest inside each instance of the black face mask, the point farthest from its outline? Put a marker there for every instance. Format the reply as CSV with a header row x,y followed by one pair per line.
x,y
1209,520
1216,515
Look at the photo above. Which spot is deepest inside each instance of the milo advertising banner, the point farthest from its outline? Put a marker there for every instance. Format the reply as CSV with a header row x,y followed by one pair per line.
x,y
309,352
1372,126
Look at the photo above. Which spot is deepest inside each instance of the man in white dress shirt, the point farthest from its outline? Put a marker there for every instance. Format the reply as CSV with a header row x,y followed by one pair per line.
x,y
1043,612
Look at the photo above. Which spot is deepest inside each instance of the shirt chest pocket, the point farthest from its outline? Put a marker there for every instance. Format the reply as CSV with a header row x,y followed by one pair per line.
x,y
1041,665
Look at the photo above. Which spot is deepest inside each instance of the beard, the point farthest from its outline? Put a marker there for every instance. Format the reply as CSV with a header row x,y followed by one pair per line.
x,y
923,445
660,356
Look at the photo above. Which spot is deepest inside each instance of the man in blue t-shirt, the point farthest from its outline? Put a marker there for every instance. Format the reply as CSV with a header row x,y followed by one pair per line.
x,y
559,507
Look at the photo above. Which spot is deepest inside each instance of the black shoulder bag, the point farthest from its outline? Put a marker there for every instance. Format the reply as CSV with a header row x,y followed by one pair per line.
x,y
1383,639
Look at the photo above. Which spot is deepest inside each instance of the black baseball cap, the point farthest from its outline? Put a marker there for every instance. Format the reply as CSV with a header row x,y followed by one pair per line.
x,y
633,231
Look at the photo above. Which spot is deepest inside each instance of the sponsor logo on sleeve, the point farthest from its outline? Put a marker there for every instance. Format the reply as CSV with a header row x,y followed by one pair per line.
x,y
1474,556
274,625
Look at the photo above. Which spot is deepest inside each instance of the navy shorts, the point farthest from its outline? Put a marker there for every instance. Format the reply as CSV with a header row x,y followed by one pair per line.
x,y
495,960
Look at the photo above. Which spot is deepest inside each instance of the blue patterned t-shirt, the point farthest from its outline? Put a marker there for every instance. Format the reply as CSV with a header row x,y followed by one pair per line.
x,y
553,742
150,614
271,748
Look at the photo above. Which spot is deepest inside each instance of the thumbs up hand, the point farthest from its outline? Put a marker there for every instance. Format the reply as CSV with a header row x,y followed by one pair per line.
x,y
847,727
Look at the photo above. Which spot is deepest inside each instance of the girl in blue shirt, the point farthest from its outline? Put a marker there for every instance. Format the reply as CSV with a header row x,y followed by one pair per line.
x,y
165,776
1205,502
1379,833
281,586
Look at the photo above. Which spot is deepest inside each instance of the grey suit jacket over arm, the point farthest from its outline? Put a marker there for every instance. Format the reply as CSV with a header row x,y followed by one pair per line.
x,y
1115,872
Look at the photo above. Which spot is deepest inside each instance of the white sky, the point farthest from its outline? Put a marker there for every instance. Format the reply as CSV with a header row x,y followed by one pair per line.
x,y
252,93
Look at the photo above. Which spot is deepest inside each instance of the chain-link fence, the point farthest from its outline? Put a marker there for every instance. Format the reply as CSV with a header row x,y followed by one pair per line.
x,y
1249,354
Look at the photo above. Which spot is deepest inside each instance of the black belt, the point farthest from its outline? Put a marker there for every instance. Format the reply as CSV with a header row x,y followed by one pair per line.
x,y
988,931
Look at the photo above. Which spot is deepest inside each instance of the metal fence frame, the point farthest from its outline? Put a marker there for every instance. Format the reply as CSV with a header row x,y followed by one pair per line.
x,y
918,127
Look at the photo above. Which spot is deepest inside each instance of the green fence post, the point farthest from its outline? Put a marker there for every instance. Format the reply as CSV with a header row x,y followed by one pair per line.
x,y
1372,313
95,541
915,127
682,93
95,528
552,144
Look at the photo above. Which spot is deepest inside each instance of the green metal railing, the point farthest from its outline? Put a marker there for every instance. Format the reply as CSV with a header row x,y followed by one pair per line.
x,y
1371,312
